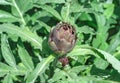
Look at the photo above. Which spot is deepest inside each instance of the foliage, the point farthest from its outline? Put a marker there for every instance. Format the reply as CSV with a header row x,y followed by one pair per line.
x,y
25,56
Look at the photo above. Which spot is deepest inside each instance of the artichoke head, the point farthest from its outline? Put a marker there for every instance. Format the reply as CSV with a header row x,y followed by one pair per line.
x,y
62,38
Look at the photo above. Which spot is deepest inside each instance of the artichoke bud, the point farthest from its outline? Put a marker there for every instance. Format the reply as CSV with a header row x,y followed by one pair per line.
x,y
62,38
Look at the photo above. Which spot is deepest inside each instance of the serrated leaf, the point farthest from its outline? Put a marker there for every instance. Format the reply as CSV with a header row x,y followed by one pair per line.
x,y
40,68
7,52
86,30
51,1
104,81
19,72
24,34
58,75
114,43
81,50
101,20
109,10
15,12
97,52
65,12
18,9
104,64
75,6
40,14
51,10
4,69
28,4
25,57
100,40
97,7
93,79
8,79
4,2
111,59
85,17
44,25
78,69
63,75
7,17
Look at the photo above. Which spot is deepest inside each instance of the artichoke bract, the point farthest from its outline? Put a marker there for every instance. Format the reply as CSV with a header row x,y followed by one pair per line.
x,y
62,38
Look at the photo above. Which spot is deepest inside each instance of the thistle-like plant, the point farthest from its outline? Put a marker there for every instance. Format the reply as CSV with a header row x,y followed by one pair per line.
x,y
62,38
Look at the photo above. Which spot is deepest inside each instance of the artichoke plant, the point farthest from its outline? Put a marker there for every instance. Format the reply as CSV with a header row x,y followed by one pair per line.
x,y
62,38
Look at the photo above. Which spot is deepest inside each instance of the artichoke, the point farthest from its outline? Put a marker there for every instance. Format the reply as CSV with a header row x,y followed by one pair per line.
x,y
64,61
62,38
